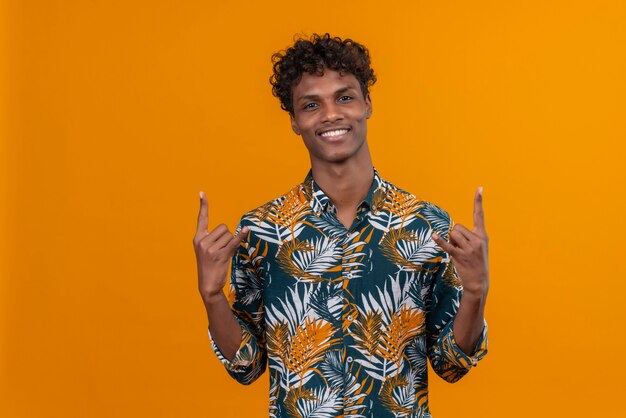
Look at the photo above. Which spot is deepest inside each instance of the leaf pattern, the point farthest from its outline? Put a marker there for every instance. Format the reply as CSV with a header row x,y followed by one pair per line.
x,y
410,250
309,260
308,345
326,302
367,333
324,403
405,324
402,397
346,320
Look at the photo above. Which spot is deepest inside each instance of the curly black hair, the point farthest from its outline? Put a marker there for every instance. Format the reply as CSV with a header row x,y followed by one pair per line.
x,y
312,56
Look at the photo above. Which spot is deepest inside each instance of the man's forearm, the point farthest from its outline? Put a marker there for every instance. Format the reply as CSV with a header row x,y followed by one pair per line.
x,y
469,321
224,326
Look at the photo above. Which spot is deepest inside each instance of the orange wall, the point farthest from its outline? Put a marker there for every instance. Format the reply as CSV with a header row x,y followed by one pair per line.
x,y
117,113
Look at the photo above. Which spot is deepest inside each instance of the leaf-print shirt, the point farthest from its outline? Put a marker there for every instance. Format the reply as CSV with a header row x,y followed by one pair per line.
x,y
346,318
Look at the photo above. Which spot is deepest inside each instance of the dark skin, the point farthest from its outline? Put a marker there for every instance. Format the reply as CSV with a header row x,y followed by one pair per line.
x,y
341,164
213,253
330,114
469,252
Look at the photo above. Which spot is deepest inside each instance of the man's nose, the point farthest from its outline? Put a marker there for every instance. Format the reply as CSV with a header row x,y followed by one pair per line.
x,y
332,113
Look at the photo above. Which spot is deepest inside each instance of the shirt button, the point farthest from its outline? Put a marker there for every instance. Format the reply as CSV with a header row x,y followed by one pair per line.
x,y
349,276
349,359
374,208
350,318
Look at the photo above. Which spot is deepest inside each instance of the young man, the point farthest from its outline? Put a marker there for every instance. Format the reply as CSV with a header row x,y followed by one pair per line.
x,y
345,285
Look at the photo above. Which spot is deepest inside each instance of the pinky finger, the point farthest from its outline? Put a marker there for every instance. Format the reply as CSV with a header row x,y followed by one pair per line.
x,y
236,240
447,247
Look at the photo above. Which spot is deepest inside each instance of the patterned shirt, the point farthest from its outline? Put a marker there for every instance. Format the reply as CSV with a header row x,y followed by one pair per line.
x,y
346,318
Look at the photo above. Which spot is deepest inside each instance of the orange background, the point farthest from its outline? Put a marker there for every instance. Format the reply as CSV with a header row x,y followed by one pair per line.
x,y
116,113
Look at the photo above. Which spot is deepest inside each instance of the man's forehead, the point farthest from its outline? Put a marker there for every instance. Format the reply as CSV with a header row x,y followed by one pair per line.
x,y
330,80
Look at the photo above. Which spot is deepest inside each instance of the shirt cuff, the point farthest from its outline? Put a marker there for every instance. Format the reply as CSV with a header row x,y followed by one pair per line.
x,y
459,357
245,354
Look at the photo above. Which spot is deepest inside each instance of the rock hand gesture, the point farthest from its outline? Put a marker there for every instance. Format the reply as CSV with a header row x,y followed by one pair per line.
x,y
214,251
469,253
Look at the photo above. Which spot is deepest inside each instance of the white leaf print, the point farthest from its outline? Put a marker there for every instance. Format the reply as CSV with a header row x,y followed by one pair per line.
x,y
419,251
325,405
248,285
323,256
329,228
291,308
438,218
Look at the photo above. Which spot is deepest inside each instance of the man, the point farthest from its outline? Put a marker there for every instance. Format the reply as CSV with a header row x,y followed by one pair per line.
x,y
345,285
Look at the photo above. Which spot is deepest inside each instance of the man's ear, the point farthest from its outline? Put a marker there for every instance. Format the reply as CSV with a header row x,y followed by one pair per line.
x,y
368,106
294,125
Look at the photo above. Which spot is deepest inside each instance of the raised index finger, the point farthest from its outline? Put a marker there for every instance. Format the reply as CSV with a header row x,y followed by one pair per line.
x,y
203,215
479,215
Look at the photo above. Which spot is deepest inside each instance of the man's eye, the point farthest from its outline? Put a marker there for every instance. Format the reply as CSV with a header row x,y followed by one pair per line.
x,y
345,98
309,106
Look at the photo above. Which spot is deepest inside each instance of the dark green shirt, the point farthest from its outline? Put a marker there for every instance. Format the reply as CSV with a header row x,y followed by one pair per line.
x,y
346,318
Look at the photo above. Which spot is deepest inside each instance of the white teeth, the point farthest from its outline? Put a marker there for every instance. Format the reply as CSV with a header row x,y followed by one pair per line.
x,y
336,132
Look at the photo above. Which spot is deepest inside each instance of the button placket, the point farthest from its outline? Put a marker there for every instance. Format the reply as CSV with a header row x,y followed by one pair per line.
x,y
346,304
349,313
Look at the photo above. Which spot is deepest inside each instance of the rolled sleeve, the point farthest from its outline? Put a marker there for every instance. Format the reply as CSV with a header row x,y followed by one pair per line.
x,y
249,361
246,354
448,360
458,357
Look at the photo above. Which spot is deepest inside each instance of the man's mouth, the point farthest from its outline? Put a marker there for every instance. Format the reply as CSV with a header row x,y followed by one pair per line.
x,y
334,133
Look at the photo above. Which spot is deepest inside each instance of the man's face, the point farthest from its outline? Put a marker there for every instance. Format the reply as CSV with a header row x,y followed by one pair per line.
x,y
330,113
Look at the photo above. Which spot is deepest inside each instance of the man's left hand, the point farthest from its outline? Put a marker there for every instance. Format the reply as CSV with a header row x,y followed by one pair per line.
x,y
469,252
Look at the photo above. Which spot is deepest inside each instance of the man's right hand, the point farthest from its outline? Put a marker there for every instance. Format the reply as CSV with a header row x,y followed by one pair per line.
x,y
214,251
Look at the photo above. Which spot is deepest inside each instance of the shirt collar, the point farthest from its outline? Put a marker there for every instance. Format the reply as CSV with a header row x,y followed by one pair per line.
x,y
320,203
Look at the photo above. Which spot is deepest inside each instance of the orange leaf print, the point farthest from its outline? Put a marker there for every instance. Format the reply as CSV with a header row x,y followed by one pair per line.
x,y
309,344
405,325
367,333
286,213
293,396
402,204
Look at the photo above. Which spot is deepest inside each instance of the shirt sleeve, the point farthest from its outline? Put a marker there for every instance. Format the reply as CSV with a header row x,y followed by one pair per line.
x,y
246,299
446,357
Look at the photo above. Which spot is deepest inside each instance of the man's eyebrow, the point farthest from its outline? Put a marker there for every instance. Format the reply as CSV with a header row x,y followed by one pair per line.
x,y
344,89
308,97
316,96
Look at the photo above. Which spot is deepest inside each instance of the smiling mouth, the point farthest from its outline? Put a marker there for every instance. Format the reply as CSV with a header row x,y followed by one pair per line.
x,y
334,133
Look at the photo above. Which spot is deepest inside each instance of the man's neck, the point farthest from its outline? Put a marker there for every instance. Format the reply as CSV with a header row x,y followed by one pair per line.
x,y
346,184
